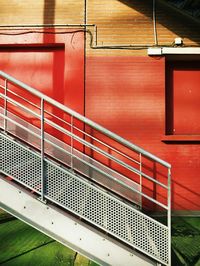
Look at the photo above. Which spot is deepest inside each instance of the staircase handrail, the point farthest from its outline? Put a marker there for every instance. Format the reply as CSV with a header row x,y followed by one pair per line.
x,y
84,119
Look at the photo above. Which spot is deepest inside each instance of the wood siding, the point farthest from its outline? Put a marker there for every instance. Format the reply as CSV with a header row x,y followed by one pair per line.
x,y
119,22
16,12
129,22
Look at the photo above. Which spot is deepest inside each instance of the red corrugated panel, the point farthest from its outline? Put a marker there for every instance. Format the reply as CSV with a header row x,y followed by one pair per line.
x,y
184,80
127,95
52,64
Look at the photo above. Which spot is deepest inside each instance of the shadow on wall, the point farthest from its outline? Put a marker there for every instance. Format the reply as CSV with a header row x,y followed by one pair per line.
x,y
58,58
49,11
183,197
169,18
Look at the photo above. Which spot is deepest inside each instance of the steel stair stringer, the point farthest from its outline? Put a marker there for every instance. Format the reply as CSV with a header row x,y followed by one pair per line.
x,y
67,229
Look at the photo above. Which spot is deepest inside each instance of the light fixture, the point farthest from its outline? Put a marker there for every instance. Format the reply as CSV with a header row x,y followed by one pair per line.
x,y
178,41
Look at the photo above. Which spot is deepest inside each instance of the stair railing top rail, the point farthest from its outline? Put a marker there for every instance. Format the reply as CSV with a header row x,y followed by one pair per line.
x,y
85,120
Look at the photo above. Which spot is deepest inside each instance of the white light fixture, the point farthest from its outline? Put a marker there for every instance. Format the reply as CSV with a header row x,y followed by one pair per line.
x,y
178,41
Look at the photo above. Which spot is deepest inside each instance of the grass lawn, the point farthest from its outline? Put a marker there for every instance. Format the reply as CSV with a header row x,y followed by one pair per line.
x,y
23,245
186,240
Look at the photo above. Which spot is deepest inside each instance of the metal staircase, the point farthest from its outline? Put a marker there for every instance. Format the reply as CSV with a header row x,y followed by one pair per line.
x,y
85,177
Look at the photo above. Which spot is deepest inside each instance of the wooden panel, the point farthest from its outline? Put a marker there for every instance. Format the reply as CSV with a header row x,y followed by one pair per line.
x,y
129,22
121,23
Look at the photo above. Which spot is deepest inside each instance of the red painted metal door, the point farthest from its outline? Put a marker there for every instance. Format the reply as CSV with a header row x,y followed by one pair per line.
x,y
185,98
55,69
41,67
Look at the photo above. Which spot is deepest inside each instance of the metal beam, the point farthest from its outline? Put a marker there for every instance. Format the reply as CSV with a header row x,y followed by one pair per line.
x,y
67,229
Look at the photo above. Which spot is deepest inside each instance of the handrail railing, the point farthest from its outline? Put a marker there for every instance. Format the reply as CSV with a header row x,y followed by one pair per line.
x,y
82,141
41,114
84,119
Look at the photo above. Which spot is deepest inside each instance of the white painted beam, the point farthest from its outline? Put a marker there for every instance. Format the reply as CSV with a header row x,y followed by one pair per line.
x,y
67,229
154,51
174,51
181,50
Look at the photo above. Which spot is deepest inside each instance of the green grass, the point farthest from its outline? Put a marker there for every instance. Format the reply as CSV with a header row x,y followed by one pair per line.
x,y
51,254
23,245
18,238
186,240
4,216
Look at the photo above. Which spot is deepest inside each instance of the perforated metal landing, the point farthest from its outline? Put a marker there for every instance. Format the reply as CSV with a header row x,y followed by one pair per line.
x,y
84,199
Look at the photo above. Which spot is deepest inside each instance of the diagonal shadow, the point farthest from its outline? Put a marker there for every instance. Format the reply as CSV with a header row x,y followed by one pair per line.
x,y
168,17
58,58
49,11
25,252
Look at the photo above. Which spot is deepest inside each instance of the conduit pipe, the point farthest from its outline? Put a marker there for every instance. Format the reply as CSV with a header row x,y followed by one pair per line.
x,y
94,37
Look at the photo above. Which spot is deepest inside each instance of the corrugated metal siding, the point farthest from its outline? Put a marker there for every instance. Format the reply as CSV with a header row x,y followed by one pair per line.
x,y
122,96
127,95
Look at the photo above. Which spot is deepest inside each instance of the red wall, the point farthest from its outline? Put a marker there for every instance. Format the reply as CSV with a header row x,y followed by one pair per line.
x,y
127,95
124,94
52,63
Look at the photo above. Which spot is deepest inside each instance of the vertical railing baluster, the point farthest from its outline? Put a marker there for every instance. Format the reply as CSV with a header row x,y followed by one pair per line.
x,y
42,148
72,141
5,105
140,180
169,214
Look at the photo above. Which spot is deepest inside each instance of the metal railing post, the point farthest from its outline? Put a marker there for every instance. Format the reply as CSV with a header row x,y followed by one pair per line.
x,y
169,214
5,105
42,149
140,180
72,141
